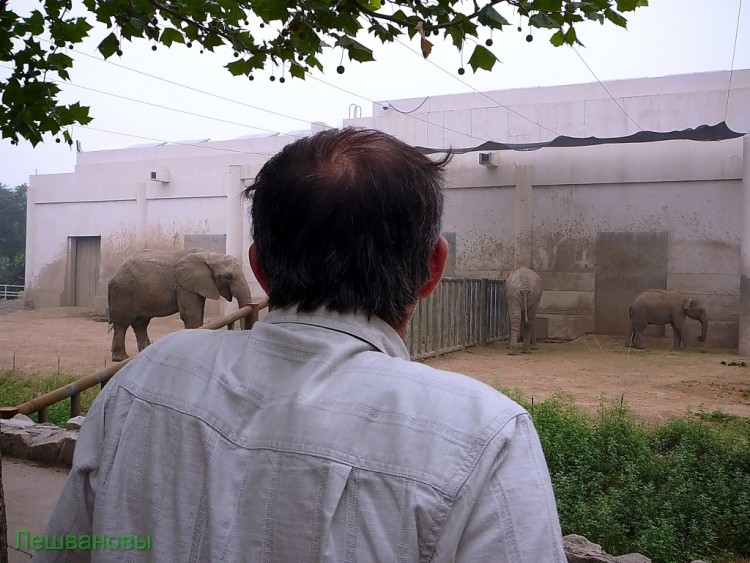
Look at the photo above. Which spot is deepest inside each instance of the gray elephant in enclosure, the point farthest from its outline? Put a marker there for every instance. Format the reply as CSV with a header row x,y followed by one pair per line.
x,y
661,307
158,284
523,291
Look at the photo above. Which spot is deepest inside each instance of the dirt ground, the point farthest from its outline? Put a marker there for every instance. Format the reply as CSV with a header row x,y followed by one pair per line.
x,y
593,370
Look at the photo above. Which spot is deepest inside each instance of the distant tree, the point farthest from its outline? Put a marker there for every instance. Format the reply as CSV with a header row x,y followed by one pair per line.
x,y
12,234
262,33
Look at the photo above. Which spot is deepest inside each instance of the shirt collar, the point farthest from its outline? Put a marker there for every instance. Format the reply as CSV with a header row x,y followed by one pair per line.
x,y
374,331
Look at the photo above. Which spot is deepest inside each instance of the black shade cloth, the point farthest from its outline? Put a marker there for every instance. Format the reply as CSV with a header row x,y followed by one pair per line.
x,y
718,132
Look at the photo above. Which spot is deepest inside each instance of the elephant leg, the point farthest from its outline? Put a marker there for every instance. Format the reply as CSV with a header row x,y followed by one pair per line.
x,y
638,339
629,341
140,327
191,308
635,335
532,328
515,326
526,338
678,342
118,343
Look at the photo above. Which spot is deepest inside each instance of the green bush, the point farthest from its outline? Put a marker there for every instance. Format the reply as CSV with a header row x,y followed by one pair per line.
x,y
16,389
673,493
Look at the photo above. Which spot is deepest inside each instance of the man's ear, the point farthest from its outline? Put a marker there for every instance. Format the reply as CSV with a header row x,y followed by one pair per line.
x,y
257,268
438,258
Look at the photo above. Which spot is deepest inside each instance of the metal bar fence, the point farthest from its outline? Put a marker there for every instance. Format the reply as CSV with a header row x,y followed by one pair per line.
x,y
461,312
10,291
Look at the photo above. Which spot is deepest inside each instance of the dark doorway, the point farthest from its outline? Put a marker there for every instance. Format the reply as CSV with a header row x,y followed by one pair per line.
x,y
85,256
626,264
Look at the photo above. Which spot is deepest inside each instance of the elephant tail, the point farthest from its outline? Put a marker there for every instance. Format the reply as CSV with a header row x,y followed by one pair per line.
x,y
525,310
109,312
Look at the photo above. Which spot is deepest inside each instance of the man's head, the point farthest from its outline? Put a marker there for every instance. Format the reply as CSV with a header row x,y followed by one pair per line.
x,y
350,219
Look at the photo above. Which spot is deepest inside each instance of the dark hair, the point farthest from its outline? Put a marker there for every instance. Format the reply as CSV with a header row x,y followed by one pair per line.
x,y
347,218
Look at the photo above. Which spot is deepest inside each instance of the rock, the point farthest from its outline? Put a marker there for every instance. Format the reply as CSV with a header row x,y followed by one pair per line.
x,y
67,447
18,421
14,441
632,558
44,444
580,550
74,423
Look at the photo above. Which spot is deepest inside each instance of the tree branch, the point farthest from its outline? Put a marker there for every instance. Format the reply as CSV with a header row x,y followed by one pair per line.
x,y
177,15
402,23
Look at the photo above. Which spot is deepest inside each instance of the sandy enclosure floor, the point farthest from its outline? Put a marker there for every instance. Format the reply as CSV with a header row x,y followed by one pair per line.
x,y
592,370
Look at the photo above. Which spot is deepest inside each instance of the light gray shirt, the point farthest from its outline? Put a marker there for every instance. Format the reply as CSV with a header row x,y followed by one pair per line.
x,y
310,438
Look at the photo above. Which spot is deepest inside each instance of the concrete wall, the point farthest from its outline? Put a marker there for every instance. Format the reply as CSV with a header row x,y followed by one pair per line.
x,y
110,195
582,217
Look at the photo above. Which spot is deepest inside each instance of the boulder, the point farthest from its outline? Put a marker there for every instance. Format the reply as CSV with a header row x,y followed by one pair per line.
x,y
14,441
74,423
18,421
44,444
67,446
580,550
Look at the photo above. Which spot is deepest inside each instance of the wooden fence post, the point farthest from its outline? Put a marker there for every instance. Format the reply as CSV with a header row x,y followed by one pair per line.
x,y
483,312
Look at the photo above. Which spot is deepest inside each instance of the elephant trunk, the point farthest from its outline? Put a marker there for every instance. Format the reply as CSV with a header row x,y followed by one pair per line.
x,y
704,327
241,292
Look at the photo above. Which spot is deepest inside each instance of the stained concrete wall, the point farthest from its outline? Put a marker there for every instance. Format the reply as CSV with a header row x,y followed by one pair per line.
x,y
545,208
690,191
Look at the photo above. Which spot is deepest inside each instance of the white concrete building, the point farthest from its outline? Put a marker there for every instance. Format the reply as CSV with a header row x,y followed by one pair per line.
x,y
599,223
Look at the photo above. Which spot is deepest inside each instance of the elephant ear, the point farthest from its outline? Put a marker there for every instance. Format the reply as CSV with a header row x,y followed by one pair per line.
x,y
194,274
687,305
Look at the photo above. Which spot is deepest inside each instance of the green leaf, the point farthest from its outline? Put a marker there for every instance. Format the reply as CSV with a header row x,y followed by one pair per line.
x,y
482,58
60,60
240,66
76,32
171,35
355,49
109,45
630,5
456,36
36,23
270,10
546,5
211,40
490,17
570,36
297,71
615,18
557,38
543,20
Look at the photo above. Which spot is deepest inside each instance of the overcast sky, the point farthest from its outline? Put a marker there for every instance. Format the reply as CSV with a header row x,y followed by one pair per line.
x,y
134,98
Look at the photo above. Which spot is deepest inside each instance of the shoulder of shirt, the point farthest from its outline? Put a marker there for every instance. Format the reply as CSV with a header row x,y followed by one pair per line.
x,y
431,380
442,382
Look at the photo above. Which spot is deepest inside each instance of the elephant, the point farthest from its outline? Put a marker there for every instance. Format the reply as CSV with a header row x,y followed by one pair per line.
x,y
154,283
661,307
523,291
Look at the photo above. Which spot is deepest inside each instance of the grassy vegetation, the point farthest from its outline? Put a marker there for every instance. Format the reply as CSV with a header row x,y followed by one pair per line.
x,y
674,493
16,389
